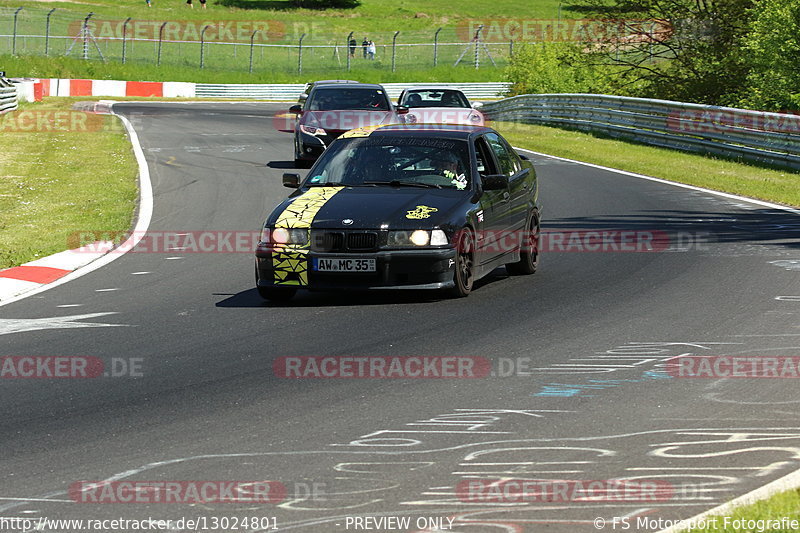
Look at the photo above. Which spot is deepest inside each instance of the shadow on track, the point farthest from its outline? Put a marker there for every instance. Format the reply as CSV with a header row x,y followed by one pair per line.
x,y
251,298
759,226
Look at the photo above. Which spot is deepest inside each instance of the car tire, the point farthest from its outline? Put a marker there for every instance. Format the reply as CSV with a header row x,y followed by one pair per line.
x,y
464,275
299,162
277,294
529,255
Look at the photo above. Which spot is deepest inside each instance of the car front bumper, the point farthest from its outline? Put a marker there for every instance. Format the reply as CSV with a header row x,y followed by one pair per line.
x,y
394,269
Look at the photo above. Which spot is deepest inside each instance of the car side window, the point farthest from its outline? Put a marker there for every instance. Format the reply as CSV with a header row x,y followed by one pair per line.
x,y
483,154
509,164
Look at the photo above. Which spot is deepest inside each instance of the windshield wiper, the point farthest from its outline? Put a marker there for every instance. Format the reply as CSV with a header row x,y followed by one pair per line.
x,y
336,184
398,183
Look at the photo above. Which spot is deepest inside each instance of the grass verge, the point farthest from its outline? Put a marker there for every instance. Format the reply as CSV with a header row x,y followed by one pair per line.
x,y
770,515
65,67
67,172
779,186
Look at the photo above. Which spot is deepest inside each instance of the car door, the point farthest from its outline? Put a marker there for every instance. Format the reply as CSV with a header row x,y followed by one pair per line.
x,y
494,204
518,181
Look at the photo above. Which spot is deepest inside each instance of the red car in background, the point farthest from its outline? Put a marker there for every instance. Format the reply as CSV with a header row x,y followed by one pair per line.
x,y
334,108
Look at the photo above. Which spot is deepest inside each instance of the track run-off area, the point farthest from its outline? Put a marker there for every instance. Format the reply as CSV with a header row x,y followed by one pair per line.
x,y
579,390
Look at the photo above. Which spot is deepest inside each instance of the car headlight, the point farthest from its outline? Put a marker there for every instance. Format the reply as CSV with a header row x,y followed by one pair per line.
x,y
418,237
312,130
475,118
295,236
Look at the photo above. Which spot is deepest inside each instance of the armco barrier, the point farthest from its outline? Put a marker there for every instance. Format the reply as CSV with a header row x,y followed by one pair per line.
x,y
754,135
8,96
287,92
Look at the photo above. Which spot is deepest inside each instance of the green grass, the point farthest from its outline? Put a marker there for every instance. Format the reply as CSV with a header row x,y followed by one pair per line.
x,y
780,186
324,45
56,183
786,504
376,17
42,67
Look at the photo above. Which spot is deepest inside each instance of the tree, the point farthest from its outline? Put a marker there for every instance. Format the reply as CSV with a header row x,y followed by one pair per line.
x,y
689,50
773,52
554,67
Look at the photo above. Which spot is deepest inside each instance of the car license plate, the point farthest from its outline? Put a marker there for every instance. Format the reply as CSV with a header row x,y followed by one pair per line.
x,y
343,264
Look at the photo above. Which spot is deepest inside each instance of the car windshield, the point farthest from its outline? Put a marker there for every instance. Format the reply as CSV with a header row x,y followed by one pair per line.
x,y
394,161
435,98
333,98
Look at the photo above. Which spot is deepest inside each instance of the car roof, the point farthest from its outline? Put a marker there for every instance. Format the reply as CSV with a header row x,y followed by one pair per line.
x,y
325,82
438,131
432,88
353,85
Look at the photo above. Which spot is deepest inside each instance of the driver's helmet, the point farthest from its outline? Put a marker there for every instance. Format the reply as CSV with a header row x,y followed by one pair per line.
x,y
445,162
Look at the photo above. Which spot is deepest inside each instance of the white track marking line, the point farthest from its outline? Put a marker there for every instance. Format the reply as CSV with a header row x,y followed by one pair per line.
x,y
667,182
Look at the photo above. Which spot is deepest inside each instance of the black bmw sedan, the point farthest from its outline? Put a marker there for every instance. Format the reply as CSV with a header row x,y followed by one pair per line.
x,y
403,207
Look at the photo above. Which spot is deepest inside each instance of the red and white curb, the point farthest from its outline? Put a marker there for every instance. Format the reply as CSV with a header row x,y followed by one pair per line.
x,y
42,274
34,90
35,274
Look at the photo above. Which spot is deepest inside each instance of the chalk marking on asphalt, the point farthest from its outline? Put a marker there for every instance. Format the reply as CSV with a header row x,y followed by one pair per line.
x,y
14,325
143,218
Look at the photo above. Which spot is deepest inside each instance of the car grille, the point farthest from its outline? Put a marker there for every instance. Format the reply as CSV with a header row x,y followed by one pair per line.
x,y
344,241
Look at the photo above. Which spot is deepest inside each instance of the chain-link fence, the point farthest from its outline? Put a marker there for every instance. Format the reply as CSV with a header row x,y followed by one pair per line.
x,y
243,45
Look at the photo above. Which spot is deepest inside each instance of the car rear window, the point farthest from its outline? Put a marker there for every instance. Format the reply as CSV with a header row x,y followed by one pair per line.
x,y
334,98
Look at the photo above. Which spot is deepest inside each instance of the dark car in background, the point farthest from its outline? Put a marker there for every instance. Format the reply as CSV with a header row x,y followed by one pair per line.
x,y
403,207
310,85
334,108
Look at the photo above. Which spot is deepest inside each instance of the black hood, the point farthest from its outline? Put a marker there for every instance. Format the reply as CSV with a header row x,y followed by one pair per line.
x,y
397,207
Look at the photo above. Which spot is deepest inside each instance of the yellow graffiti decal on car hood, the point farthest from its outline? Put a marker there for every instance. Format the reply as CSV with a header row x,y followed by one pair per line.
x,y
422,211
364,131
290,262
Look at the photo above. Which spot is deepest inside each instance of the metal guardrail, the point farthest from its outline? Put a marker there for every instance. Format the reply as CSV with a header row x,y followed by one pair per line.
x,y
8,96
754,135
288,92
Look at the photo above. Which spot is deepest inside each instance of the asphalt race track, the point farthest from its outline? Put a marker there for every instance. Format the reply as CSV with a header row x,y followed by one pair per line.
x,y
579,390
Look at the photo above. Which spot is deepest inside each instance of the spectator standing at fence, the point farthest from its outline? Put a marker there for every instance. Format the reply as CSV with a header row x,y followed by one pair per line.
x,y
352,45
364,45
371,49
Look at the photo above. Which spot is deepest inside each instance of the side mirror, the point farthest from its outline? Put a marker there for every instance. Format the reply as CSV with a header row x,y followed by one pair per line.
x,y
493,182
401,110
477,105
296,109
524,157
291,180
